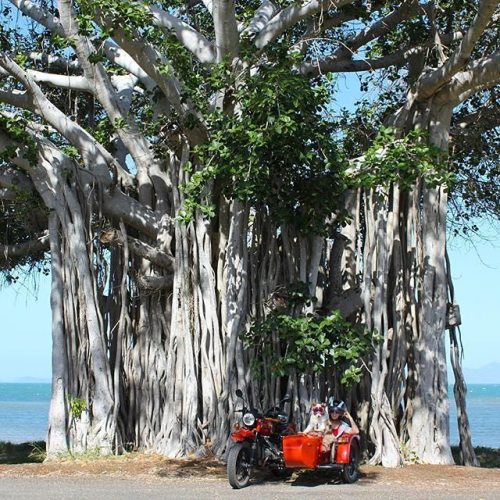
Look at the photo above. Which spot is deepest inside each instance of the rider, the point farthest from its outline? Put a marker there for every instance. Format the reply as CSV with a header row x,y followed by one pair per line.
x,y
337,411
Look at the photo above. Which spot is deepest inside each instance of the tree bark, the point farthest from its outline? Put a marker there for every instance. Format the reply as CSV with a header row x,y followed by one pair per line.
x,y
57,436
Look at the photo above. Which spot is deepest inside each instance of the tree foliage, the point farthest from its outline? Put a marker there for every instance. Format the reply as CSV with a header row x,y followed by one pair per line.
x,y
276,150
401,161
289,342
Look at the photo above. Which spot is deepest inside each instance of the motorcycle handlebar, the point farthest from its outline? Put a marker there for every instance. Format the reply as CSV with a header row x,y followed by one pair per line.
x,y
274,410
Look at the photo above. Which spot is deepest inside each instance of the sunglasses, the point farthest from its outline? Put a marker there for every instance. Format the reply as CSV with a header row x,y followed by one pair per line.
x,y
318,410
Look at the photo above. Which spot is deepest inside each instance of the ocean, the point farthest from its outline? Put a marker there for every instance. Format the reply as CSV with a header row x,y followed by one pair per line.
x,y
483,410
24,410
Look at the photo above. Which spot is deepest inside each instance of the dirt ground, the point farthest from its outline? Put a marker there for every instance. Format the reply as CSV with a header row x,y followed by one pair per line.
x,y
136,465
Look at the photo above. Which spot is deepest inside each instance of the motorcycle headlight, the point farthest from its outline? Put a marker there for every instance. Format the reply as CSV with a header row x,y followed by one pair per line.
x,y
249,419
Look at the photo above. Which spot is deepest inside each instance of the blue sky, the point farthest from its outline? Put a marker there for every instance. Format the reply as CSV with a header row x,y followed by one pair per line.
x,y
25,331
476,277
25,324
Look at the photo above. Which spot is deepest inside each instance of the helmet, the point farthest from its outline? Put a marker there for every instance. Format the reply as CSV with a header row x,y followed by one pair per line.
x,y
336,405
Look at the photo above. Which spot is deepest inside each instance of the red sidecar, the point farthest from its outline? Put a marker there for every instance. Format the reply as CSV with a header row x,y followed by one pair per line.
x,y
303,451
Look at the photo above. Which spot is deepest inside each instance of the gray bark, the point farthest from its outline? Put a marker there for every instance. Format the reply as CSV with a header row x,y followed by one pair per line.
x,y
57,437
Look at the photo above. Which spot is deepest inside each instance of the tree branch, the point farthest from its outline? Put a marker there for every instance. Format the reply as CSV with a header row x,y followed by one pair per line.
x,y
377,29
336,19
261,17
55,62
194,41
154,283
429,83
120,57
332,20
26,248
478,75
39,15
114,53
140,249
292,15
398,58
117,205
314,31
79,83
116,107
154,64
209,5
94,154
226,29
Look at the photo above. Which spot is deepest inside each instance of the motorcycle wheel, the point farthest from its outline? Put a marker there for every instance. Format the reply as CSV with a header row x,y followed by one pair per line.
x,y
238,465
350,472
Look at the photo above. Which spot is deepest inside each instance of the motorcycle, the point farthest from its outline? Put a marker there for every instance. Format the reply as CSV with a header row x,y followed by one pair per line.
x,y
270,441
257,442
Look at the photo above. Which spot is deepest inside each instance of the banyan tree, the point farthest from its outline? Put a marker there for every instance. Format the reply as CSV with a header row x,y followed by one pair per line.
x,y
213,223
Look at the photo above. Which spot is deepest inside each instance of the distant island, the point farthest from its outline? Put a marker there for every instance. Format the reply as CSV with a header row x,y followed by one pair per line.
x,y
26,380
489,374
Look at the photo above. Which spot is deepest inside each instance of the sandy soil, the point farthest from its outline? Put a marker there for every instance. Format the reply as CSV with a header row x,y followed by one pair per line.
x,y
151,466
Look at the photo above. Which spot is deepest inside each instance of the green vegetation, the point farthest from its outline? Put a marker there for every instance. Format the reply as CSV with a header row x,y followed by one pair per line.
x,y
287,340
29,452
489,458
77,406
402,160
276,151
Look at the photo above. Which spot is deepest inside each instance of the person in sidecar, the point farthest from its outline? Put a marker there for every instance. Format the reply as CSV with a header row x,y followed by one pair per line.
x,y
339,418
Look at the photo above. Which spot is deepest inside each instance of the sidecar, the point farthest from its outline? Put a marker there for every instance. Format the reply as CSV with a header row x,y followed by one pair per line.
x,y
303,451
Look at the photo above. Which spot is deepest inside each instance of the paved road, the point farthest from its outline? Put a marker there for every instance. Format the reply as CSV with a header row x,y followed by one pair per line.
x,y
111,488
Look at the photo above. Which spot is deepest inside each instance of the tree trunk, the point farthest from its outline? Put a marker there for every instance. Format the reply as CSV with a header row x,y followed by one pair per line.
x,y
428,434
427,412
57,437
380,217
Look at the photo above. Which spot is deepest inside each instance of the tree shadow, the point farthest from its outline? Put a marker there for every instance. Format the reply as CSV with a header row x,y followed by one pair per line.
x,y
312,478
22,453
195,467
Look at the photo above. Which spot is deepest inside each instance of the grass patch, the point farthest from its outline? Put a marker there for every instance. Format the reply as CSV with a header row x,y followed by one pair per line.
x,y
90,454
23,453
489,458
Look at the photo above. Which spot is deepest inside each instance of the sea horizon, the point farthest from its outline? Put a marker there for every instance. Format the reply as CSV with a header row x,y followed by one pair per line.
x,y
27,380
